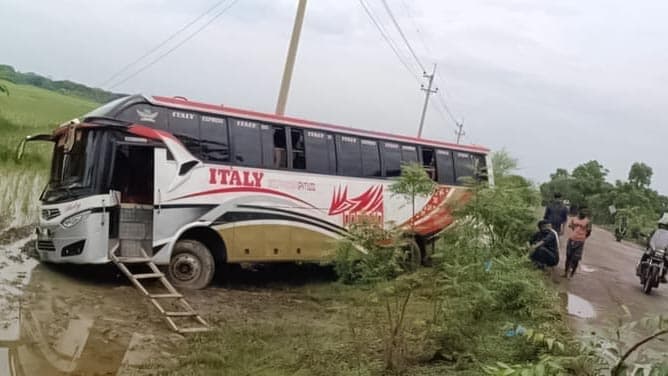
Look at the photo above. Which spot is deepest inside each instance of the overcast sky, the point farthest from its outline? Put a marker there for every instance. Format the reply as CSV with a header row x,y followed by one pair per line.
x,y
555,83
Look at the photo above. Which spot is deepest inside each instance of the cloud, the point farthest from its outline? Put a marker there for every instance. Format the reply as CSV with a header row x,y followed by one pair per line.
x,y
556,83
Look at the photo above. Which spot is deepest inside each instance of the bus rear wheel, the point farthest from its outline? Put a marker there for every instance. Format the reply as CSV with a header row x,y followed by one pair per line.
x,y
192,266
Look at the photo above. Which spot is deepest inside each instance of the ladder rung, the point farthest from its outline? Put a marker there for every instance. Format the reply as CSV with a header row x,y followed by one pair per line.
x,y
148,275
193,330
180,314
134,260
165,296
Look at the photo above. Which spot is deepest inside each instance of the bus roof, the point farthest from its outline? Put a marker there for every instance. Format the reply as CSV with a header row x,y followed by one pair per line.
x,y
183,103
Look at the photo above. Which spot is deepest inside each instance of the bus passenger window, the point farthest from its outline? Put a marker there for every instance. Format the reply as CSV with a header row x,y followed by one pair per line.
x,y
408,154
214,142
348,156
480,164
445,169
298,157
318,153
392,159
274,146
370,158
464,166
246,141
185,127
429,162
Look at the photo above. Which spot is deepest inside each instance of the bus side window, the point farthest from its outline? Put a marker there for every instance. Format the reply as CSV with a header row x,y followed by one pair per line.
x,y
214,140
370,158
318,152
348,156
298,157
245,141
445,169
185,127
274,146
480,164
408,154
429,162
145,114
464,166
392,159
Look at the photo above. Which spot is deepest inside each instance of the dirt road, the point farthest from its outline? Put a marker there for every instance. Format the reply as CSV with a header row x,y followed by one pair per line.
x,y
606,279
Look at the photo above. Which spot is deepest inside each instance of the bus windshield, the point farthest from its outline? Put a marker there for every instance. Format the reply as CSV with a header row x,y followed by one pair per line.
x,y
73,172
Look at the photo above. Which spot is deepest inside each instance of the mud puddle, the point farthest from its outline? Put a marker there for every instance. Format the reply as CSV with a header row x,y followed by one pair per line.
x,y
579,307
75,321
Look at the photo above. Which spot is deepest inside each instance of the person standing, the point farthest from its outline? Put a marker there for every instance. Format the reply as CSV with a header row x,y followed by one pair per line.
x,y
581,226
557,214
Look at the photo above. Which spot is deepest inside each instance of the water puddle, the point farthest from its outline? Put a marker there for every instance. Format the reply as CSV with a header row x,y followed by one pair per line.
x,y
587,269
579,307
52,323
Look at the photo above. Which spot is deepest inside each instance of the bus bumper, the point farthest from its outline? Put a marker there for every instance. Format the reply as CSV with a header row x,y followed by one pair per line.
x,y
85,242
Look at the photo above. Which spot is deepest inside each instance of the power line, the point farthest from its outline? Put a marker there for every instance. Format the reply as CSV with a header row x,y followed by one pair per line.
x,y
189,37
415,25
403,36
389,41
160,45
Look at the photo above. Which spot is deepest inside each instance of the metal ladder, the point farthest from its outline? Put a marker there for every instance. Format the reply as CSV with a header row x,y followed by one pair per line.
x,y
172,294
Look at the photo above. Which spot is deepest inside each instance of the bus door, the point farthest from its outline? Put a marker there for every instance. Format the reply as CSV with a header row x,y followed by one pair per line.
x,y
132,182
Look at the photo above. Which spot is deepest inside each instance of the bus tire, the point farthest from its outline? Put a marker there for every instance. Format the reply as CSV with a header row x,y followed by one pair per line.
x,y
192,266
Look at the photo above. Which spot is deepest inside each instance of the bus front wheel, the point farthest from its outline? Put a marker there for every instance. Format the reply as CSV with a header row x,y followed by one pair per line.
x,y
192,266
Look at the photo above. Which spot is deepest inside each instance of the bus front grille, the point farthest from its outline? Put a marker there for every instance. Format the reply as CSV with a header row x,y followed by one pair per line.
x,y
46,245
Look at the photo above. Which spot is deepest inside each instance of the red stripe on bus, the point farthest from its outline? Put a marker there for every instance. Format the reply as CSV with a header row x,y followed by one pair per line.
x,y
243,189
312,124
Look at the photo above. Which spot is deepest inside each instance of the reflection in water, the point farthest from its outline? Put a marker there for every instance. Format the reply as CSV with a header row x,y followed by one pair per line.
x,y
52,324
579,307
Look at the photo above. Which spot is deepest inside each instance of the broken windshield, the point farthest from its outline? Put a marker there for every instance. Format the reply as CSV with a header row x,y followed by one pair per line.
x,y
73,172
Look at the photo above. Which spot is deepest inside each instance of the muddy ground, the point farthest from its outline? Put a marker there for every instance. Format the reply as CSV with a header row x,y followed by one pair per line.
x,y
57,320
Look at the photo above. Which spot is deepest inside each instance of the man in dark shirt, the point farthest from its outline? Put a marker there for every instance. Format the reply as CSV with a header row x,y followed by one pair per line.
x,y
544,246
556,213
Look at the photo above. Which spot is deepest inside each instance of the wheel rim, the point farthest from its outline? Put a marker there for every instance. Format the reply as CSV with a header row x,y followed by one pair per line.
x,y
185,267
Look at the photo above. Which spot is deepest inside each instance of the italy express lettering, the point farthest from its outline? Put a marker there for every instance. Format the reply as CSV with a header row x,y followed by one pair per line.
x,y
229,176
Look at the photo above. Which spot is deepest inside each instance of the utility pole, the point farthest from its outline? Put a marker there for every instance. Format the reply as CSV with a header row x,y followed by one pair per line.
x,y
290,59
460,132
427,92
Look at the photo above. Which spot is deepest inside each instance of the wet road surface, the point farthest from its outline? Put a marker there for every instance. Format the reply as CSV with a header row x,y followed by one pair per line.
x,y
605,291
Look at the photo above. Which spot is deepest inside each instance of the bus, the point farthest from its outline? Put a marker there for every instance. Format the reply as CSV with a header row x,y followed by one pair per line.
x,y
197,185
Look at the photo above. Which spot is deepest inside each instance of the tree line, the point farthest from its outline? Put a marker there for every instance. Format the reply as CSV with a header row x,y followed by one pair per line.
x,y
586,186
66,87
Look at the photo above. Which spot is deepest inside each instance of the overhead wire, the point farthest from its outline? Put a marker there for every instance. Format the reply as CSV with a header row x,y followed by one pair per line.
x,y
161,44
415,25
403,36
440,94
388,39
175,47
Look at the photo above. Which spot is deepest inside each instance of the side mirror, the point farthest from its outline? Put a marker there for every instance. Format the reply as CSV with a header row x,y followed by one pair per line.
x,y
20,149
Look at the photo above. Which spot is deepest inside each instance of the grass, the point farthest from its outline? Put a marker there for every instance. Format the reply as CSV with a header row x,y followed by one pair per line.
x,y
335,329
29,110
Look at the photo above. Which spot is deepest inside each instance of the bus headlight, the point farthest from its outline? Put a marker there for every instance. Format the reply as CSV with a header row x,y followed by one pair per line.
x,y
73,220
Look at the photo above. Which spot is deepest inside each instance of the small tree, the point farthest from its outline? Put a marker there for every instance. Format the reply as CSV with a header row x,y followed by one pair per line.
x,y
3,89
412,183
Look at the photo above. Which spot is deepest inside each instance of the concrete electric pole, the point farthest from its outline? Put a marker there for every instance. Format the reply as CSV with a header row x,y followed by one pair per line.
x,y
427,92
460,132
290,60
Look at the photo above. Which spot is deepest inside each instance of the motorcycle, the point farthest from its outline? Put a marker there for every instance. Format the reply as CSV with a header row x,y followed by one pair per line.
x,y
621,229
651,268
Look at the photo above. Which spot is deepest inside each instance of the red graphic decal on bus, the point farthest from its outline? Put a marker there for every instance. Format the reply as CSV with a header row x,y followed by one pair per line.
x,y
228,176
368,206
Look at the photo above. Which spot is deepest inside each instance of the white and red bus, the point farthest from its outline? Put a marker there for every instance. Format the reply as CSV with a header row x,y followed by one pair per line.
x,y
196,185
